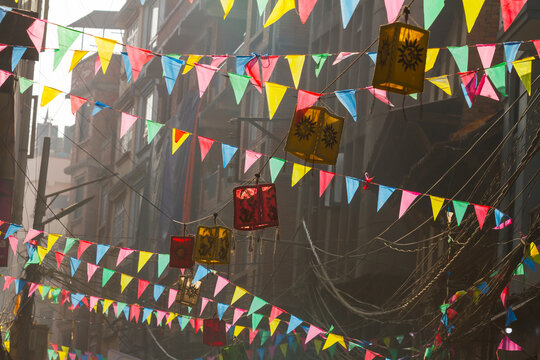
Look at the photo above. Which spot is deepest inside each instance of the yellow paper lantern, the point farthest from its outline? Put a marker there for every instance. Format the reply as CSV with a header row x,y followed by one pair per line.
x,y
188,292
213,245
401,58
315,135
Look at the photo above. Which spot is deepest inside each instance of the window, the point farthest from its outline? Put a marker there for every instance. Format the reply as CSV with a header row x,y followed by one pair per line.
x,y
79,194
118,221
131,38
154,18
148,111
104,206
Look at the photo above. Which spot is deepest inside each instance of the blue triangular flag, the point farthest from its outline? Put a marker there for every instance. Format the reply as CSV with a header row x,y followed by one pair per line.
x,y
76,299
200,273
3,11
291,339
510,316
98,106
483,287
12,229
30,248
171,69
373,56
146,313
221,308
231,331
510,51
16,55
227,152
352,186
469,102
142,2
100,251
293,323
241,62
158,290
348,99
529,263
384,194
279,337
19,285
127,66
74,265
498,216
260,351
126,312
347,10
85,357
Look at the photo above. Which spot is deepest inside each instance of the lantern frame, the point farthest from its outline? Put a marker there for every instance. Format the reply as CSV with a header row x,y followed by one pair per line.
x,y
188,292
181,252
213,245
215,333
262,200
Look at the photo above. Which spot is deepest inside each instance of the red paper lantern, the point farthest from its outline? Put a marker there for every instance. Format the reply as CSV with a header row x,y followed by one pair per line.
x,y
181,255
214,333
255,207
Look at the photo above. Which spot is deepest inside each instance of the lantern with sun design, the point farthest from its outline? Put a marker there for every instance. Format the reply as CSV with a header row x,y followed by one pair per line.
x,y
401,58
181,253
188,292
213,245
315,135
234,352
215,333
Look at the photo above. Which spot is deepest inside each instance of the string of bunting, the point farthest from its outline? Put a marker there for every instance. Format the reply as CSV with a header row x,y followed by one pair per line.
x,y
64,352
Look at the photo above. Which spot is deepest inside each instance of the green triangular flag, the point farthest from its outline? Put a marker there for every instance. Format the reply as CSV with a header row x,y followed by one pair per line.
x,y
444,307
352,345
33,260
66,38
119,307
283,347
189,308
318,344
320,59
162,262
460,207
520,270
294,347
432,9
24,84
497,75
414,96
184,322
174,56
428,352
255,320
107,273
461,56
79,353
50,353
239,84
45,291
256,304
265,335
56,292
69,244
153,128
261,4
393,353
275,167
332,350
400,338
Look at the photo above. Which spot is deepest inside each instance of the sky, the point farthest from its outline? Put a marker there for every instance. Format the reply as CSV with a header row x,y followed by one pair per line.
x,y
65,12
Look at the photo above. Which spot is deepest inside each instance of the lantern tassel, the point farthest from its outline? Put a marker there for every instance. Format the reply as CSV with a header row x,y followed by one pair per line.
x,y
260,245
233,242
250,241
276,238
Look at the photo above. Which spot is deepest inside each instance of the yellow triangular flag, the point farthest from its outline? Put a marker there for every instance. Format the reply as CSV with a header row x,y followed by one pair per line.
x,y
124,281
62,355
65,348
170,318
535,255
472,9
281,8
436,205
41,253
105,48
273,325
190,62
51,239
523,68
77,56
6,345
40,289
298,172
238,330
332,339
227,6
431,57
238,293
106,304
442,83
274,94
144,256
178,138
296,63
50,294
48,95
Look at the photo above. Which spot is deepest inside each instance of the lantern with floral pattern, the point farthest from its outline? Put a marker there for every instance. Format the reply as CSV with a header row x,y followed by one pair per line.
x,y
213,245
255,207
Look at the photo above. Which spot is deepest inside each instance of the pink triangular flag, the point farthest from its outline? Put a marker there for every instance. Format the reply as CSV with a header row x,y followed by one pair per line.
x,y
481,212
13,242
218,60
509,10
252,335
304,9
72,356
204,302
324,179
2,47
33,288
342,56
137,59
127,121
486,52
268,63
122,254
312,332
172,296
143,284
537,46
83,245
306,99
4,75
76,103
35,32
227,327
7,281
160,315
59,258
486,89
192,323
31,234
251,157
237,315
504,296
205,144
93,302
271,351
274,313
381,95
97,65
205,73
392,9
407,197
469,81
220,284
508,345
90,270
370,355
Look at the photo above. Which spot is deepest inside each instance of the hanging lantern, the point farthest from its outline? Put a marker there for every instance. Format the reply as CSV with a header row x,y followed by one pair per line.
x,y
255,207
234,352
215,333
188,292
181,254
213,245
401,58
315,135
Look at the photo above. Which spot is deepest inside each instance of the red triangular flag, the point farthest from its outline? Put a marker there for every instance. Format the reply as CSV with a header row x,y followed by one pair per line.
x,y
76,103
481,212
509,11
143,284
324,179
274,313
304,9
504,296
83,245
59,258
137,59
469,81
205,144
370,355
537,46
268,63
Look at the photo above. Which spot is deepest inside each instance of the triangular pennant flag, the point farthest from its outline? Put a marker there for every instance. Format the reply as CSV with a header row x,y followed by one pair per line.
x,y
342,56
124,281
227,6
190,62
83,245
407,197
255,320
135,311
260,351
74,265
384,194
127,121
163,261
461,55
238,330
296,64
373,57
306,99
93,302
497,75
122,254
498,216
347,10
348,99
205,144
171,69
205,73
142,285
352,185
144,256
48,95
481,213
178,138
293,323
200,274
312,333
241,62
35,33
486,89
107,274
51,240
204,302
370,355
393,8
158,290
304,9
31,234
238,293
256,304
98,106
146,314
273,326
62,355
220,284
91,270
472,9
442,83
24,84
66,38
76,103
41,251
324,180
460,208
510,317
12,229
486,52
332,339
274,313
16,55
217,60
283,348
237,315
319,59
227,152
152,129
13,242
274,95
105,49
276,164
509,10
510,52
264,64
100,251
119,307
431,57
239,84
380,95
251,157
432,9
468,80
77,57
523,69
221,308
59,258
298,173
282,6
508,345
436,205
137,59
